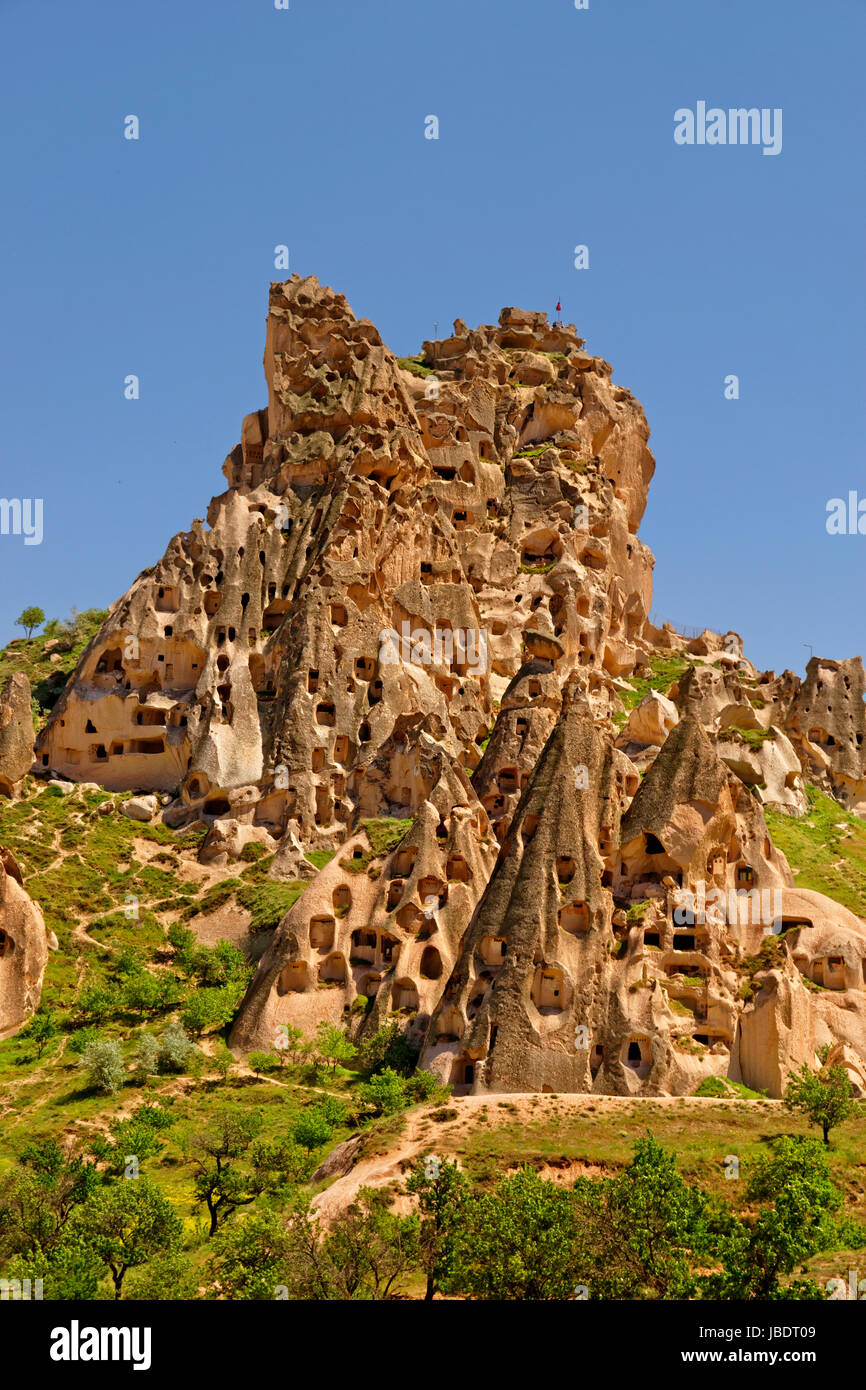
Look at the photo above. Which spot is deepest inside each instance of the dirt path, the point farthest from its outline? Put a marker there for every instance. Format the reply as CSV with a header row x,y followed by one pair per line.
x,y
425,1135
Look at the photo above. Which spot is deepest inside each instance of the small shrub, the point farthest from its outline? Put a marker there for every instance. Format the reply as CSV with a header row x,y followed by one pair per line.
x,y
102,1059
176,1049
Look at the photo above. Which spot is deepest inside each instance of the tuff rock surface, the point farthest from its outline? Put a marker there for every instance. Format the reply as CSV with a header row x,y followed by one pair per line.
x,y
24,947
16,733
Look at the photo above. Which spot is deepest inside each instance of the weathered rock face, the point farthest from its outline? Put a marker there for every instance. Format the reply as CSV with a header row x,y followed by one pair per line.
x,y
561,985
766,762
24,947
485,525
776,1034
818,726
380,928
827,725
650,723
16,733
536,964
413,613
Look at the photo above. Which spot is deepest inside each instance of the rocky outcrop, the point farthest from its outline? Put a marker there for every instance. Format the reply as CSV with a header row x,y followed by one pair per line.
x,y
776,1034
380,927
536,964
383,549
24,947
16,733
650,722
560,984
827,725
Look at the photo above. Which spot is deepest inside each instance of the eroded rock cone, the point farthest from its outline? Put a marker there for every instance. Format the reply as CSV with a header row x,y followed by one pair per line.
x,y
532,1000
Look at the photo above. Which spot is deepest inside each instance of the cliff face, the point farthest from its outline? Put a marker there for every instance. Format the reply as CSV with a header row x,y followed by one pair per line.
x,y
404,636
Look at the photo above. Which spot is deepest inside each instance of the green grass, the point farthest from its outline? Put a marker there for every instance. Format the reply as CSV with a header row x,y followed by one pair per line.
x,y
320,857
753,738
717,1087
535,452
824,858
602,1134
415,365
636,912
665,671
268,902
30,656
384,833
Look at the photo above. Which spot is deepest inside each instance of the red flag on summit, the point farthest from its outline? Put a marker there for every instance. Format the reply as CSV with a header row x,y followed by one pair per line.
x,y
558,306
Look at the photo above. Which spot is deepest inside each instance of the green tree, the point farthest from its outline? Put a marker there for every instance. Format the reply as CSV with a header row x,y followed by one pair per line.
x,y
42,1030
825,1097
207,1009
797,1202
126,1224
256,1257
97,1002
387,1047
103,1061
146,1057
176,1050
287,1041
223,1060
367,1253
442,1192
280,1165
38,1198
135,1137
333,1046
171,1278
184,942
30,618
645,1230
386,1091
69,1270
263,1063
80,1038
312,1128
143,993
517,1241
224,1180
424,1085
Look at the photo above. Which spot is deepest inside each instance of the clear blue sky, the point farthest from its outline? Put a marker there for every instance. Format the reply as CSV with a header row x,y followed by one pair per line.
x,y
306,127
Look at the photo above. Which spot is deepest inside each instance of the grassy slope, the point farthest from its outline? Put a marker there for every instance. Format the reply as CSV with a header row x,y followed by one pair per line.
x,y
65,642
664,672
826,850
82,867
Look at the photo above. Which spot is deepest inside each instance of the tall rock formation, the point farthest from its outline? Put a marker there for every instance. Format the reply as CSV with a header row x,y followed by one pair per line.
x,y
483,516
403,636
